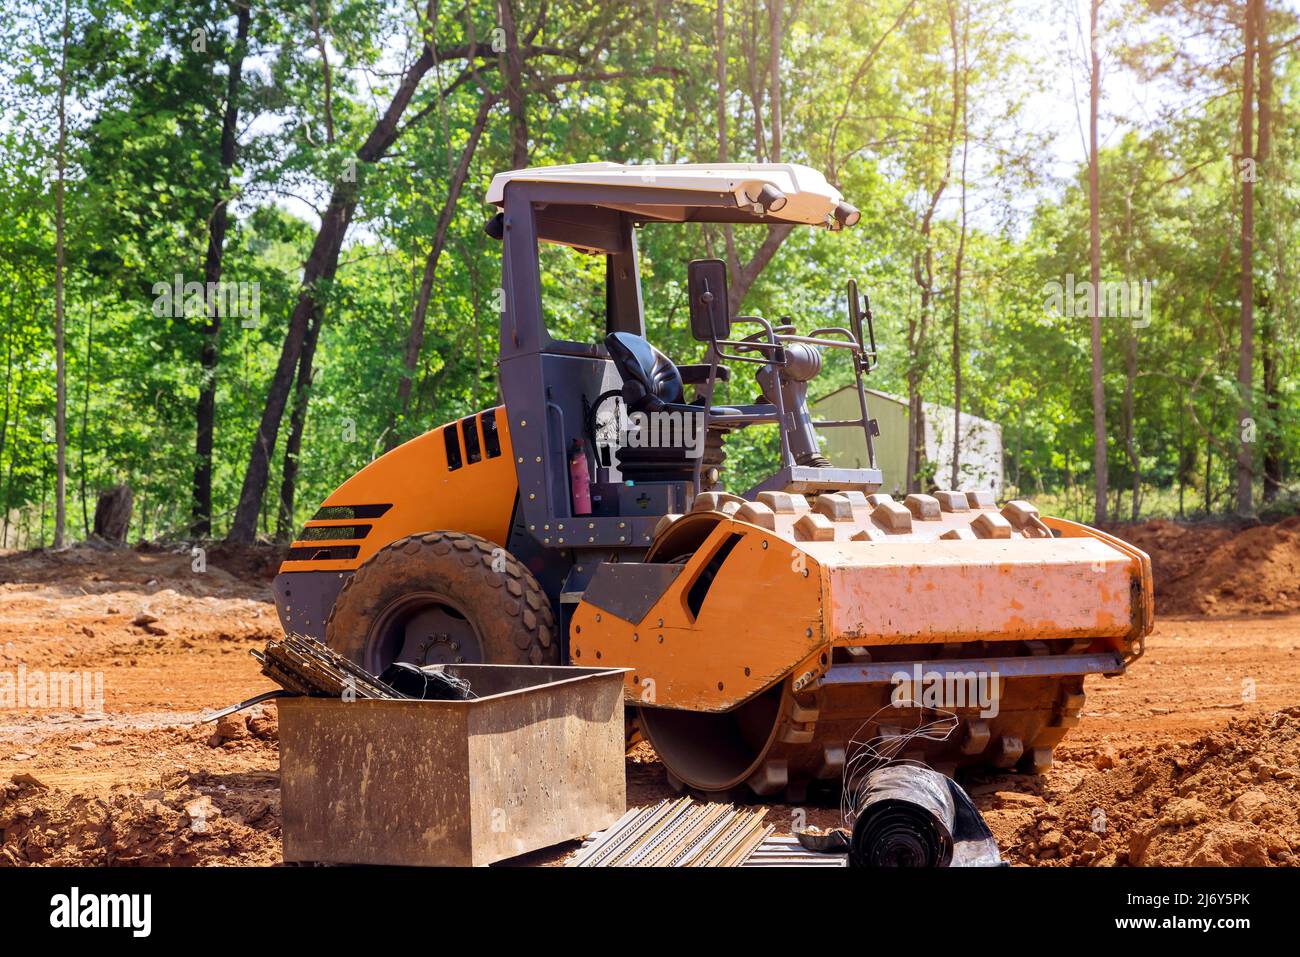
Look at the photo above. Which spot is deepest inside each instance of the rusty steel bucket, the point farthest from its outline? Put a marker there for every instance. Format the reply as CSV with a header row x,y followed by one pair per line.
x,y
535,759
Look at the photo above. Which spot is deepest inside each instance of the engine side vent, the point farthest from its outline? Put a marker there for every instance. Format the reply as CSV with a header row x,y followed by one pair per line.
x,y
332,512
320,533
451,439
491,439
469,429
327,553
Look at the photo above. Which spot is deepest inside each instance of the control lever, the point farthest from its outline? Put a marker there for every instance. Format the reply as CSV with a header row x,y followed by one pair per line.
x,y
790,378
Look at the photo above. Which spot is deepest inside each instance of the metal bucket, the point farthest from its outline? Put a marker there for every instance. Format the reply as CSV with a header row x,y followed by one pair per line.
x,y
535,759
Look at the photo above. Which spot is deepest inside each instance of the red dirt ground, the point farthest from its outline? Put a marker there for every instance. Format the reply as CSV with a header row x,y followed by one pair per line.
x,y
1191,757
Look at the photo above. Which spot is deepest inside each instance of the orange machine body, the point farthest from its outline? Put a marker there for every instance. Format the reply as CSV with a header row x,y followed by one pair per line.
x,y
764,596
458,476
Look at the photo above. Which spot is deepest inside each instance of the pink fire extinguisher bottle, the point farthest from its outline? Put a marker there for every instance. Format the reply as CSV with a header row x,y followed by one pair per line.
x,y
580,479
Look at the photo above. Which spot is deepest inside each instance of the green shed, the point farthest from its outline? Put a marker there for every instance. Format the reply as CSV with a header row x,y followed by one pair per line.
x,y
981,445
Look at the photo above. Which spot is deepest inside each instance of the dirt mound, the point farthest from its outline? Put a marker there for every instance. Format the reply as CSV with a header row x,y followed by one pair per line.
x,y
180,817
209,571
183,827
1204,569
254,563
1229,798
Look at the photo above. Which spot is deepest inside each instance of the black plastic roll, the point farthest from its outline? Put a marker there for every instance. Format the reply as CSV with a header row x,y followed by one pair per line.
x,y
905,817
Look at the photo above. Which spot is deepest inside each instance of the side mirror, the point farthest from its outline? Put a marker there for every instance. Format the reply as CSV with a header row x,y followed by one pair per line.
x,y
706,284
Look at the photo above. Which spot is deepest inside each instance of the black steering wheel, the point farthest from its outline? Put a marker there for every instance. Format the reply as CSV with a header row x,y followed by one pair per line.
x,y
761,336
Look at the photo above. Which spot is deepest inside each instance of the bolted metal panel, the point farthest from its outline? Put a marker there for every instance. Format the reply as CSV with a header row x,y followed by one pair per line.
x,y
630,589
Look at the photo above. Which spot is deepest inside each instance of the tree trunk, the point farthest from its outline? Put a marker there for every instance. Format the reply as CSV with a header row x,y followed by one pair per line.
x,y
923,274
1186,460
749,43
10,331
1130,367
113,513
916,434
961,255
514,84
1209,464
415,338
743,277
1094,272
1273,467
1268,320
284,525
9,473
85,421
774,73
205,412
326,76
1020,436
1130,442
916,334
60,361
1246,356
322,262
720,44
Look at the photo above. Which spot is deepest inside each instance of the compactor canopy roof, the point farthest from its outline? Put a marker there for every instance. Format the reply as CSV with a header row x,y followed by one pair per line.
x,y
753,192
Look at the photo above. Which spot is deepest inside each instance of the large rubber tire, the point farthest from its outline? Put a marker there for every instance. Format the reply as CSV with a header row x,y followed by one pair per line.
x,y
498,597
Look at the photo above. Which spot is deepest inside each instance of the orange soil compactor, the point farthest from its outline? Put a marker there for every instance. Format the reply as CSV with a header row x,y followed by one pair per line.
x,y
584,521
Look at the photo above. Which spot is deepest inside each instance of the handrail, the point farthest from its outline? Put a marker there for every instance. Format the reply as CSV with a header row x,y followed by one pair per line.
x,y
773,351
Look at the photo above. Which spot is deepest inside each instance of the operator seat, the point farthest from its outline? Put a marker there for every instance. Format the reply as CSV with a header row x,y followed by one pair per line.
x,y
651,380
653,383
